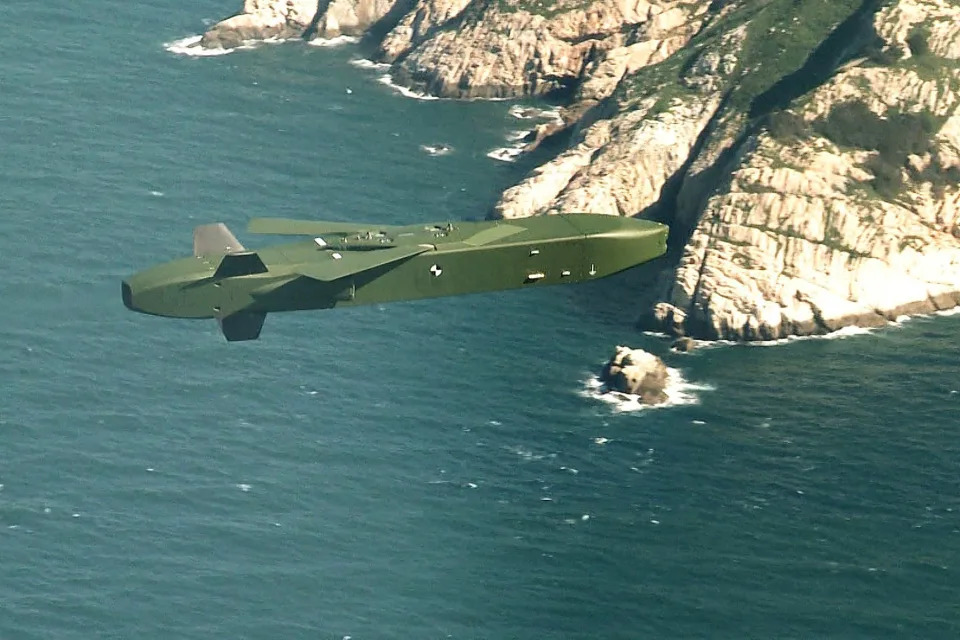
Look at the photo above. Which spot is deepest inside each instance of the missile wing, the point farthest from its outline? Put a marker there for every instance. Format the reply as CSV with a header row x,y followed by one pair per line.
x,y
292,227
346,264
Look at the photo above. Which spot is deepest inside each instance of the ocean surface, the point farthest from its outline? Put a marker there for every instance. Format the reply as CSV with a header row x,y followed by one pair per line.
x,y
438,469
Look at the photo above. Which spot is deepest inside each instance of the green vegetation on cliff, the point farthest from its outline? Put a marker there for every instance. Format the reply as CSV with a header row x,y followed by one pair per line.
x,y
784,44
894,136
781,38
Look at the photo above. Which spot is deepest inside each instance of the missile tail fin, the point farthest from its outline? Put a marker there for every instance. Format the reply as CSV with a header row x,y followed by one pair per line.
x,y
214,239
244,325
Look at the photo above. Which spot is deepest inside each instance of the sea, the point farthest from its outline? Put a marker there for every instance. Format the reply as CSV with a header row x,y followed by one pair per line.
x,y
433,469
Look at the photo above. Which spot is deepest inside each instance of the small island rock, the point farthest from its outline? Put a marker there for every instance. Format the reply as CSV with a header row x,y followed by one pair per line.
x,y
638,372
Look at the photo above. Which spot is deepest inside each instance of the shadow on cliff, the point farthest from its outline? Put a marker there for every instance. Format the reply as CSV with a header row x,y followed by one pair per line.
x,y
375,34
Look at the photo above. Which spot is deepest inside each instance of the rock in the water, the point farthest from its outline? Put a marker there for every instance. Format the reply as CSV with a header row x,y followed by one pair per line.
x,y
637,372
684,344
262,20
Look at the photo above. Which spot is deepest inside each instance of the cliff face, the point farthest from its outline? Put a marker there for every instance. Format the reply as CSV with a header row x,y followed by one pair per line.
x,y
847,217
805,152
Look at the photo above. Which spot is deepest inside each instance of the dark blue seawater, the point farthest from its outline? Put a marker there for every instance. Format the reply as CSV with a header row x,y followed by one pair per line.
x,y
419,470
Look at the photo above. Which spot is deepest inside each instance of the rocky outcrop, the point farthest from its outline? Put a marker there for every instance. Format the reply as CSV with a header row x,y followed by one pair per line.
x,y
805,238
517,48
636,372
262,20
720,119
353,17
287,19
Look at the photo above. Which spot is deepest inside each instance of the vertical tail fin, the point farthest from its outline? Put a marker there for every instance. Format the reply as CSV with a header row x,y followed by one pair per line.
x,y
214,239
217,240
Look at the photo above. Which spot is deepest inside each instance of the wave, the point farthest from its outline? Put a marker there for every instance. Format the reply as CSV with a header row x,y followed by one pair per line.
x,y
948,312
506,154
363,63
190,46
521,137
521,112
436,149
333,42
680,392
839,334
404,91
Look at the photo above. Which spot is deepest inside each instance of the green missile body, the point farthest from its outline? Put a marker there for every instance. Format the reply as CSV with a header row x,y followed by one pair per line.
x,y
348,264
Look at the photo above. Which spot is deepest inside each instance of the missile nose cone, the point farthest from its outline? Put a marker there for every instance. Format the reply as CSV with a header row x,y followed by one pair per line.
x,y
127,295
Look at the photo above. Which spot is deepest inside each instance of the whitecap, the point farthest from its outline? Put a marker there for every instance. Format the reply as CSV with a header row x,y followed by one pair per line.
x,y
521,112
157,194
404,91
506,154
839,334
190,46
656,334
333,42
363,63
680,392
244,487
948,312
436,149
526,454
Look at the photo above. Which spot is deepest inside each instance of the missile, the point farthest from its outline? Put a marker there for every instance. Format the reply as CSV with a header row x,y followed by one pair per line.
x,y
341,264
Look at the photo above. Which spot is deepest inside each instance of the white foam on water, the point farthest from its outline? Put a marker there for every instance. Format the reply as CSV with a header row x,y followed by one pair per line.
x,y
244,487
839,334
680,392
523,113
404,91
506,154
363,63
526,454
190,46
339,41
436,149
157,194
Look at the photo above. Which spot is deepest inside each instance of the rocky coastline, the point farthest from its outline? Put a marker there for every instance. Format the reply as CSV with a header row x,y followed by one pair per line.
x,y
806,153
